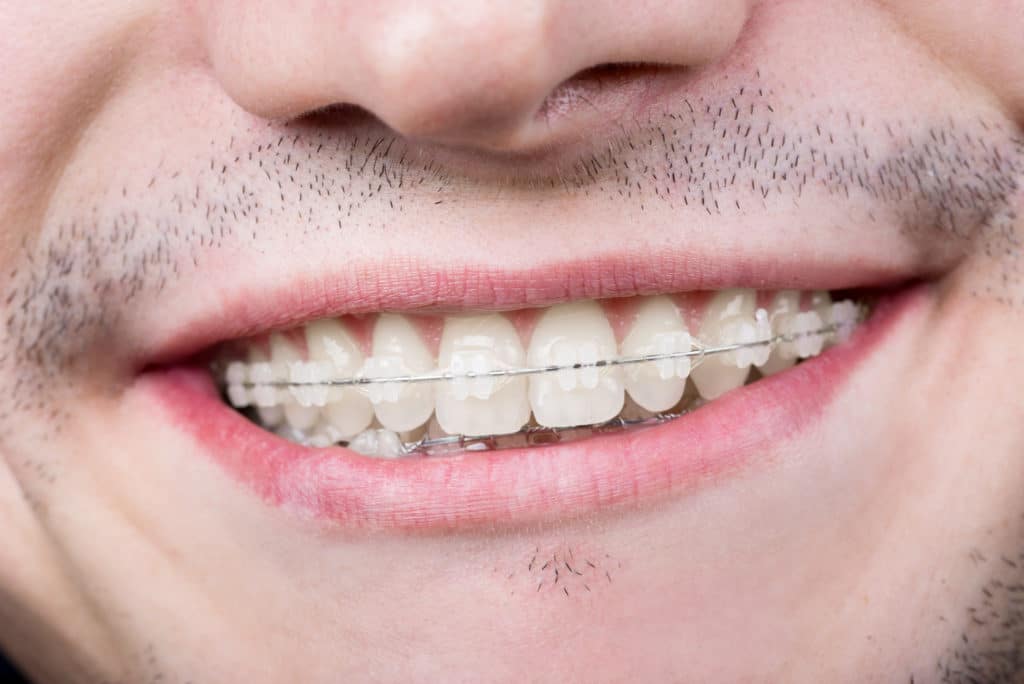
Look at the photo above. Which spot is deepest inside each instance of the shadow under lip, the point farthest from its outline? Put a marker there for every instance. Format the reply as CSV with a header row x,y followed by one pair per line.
x,y
348,492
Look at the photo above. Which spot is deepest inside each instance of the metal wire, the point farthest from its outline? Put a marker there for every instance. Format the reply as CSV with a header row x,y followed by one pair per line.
x,y
697,354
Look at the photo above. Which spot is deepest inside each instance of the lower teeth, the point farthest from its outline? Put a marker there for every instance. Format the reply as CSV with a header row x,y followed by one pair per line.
x,y
383,443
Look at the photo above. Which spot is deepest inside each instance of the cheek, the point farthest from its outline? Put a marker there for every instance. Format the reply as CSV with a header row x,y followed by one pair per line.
x,y
982,37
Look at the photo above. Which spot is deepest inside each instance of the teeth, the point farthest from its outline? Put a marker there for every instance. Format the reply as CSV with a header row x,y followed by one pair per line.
x,y
574,333
312,393
844,314
821,304
785,306
729,319
348,411
398,351
264,397
379,443
487,405
236,375
298,409
657,329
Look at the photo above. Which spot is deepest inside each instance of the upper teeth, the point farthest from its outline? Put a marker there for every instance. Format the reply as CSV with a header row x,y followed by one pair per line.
x,y
492,385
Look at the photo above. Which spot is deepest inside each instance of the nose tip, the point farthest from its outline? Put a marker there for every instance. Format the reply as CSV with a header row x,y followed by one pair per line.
x,y
465,72
476,77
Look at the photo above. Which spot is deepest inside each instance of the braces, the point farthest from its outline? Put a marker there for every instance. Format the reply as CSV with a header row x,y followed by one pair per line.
x,y
533,435
698,355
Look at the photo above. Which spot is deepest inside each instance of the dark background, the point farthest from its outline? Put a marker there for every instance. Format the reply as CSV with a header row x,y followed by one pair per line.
x,y
8,675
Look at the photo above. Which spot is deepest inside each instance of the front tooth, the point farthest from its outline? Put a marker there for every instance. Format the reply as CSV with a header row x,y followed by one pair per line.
x,y
348,410
484,405
657,329
782,312
566,334
729,319
397,351
284,355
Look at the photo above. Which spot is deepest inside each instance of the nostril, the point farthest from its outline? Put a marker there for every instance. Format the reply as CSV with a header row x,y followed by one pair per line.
x,y
604,89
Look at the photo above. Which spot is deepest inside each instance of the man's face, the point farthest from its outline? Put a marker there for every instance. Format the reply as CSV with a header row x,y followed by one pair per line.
x,y
207,204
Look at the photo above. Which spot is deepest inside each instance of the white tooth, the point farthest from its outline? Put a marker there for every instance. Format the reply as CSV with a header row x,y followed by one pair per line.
x,y
805,326
308,380
238,396
381,443
487,405
348,410
263,395
262,372
782,312
301,417
320,440
657,329
397,351
729,319
844,316
283,353
237,373
571,333
821,304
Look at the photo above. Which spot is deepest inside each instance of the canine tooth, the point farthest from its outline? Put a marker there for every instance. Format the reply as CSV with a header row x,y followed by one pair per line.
x,y
484,405
398,351
729,319
348,410
657,329
381,443
784,307
577,332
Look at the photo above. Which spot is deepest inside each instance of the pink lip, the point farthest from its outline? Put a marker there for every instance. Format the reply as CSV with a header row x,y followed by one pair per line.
x,y
408,285
520,486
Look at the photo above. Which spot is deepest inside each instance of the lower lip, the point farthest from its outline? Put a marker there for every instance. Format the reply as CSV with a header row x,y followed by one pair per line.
x,y
521,486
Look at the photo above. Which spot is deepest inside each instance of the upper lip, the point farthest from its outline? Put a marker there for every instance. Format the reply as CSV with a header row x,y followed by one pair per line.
x,y
413,285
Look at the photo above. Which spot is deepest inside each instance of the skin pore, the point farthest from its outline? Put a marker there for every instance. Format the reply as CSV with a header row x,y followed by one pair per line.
x,y
161,176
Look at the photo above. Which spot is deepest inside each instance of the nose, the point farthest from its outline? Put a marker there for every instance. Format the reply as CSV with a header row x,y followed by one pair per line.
x,y
464,72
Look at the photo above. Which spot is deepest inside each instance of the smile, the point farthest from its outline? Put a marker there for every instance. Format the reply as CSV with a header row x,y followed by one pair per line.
x,y
462,418
477,385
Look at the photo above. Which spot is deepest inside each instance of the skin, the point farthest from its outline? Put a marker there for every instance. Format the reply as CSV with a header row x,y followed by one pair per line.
x,y
157,157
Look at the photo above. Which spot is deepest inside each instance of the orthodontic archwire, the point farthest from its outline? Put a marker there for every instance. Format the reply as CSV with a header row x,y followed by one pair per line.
x,y
696,355
534,435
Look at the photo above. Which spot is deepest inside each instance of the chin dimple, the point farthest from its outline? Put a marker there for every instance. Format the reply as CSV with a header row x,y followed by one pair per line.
x,y
489,375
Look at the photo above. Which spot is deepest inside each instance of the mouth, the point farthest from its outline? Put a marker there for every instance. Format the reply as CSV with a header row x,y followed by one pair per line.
x,y
460,418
